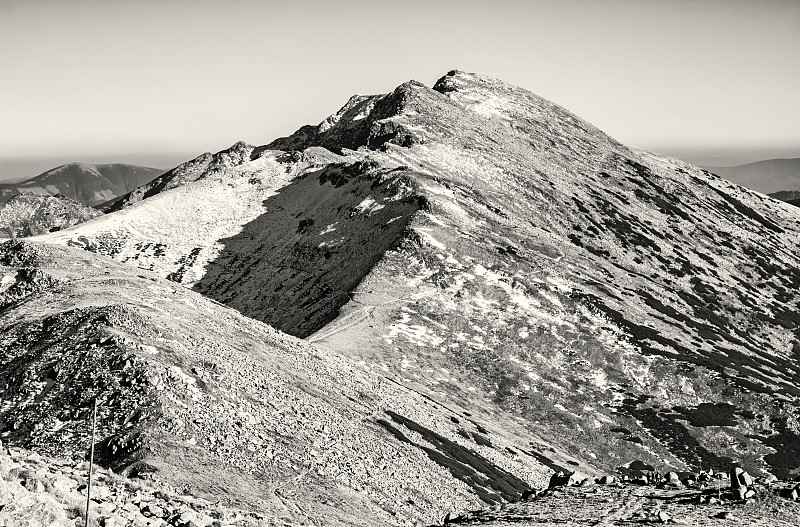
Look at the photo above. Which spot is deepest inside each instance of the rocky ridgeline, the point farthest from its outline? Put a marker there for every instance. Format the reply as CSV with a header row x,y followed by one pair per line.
x,y
201,167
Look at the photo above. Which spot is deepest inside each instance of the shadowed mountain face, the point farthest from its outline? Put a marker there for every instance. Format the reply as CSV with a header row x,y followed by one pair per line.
x,y
277,269
573,302
87,184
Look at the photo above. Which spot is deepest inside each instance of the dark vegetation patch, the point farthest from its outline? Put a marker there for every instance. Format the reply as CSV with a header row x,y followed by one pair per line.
x,y
749,366
305,225
656,198
743,209
747,414
785,462
159,249
673,435
764,265
598,252
186,262
544,460
479,428
581,207
481,439
625,227
16,253
482,200
509,250
491,483
639,334
709,414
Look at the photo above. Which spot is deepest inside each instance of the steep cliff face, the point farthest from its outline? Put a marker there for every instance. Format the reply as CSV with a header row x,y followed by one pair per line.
x,y
575,302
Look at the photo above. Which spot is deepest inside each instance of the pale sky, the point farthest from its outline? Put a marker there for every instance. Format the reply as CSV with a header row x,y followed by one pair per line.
x,y
159,82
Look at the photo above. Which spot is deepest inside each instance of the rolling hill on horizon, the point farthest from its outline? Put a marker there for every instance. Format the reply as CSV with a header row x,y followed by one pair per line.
x,y
87,184
426,304
769,176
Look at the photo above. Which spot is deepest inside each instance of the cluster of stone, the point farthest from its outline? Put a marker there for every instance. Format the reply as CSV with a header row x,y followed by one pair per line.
x,y
741,483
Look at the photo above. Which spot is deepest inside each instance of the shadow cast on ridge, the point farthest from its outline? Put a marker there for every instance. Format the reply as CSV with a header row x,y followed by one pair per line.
x,y
295,266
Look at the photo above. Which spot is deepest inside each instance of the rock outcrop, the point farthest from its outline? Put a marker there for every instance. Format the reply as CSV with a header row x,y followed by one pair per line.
x,y
27,215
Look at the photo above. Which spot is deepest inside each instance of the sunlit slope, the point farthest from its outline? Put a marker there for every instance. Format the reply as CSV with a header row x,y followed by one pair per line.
x,y
491,250
193,394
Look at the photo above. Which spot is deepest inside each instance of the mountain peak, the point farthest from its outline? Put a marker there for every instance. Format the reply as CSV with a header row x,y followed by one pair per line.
x,y
72,166
555,298
87,184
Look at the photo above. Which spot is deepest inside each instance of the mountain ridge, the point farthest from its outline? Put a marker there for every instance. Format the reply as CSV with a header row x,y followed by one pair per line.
x,y
87,184
579,303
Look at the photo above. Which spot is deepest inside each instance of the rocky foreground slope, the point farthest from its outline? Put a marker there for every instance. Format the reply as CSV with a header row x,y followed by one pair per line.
x,y
572,302
37,490
194,395
31,214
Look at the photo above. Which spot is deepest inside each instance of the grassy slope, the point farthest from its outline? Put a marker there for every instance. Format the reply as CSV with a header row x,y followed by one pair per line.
x,y
565,291
198,396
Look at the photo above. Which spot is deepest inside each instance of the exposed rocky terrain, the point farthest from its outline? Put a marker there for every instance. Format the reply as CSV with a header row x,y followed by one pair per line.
x,y
490,275
31,214
87,184
38,490
194,395
661,501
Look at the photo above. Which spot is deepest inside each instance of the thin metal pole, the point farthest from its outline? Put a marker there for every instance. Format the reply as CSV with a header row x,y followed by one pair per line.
x,y
91,463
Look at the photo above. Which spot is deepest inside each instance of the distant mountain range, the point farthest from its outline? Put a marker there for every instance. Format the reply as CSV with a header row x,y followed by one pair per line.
x,y
87,184
789,196
769,176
